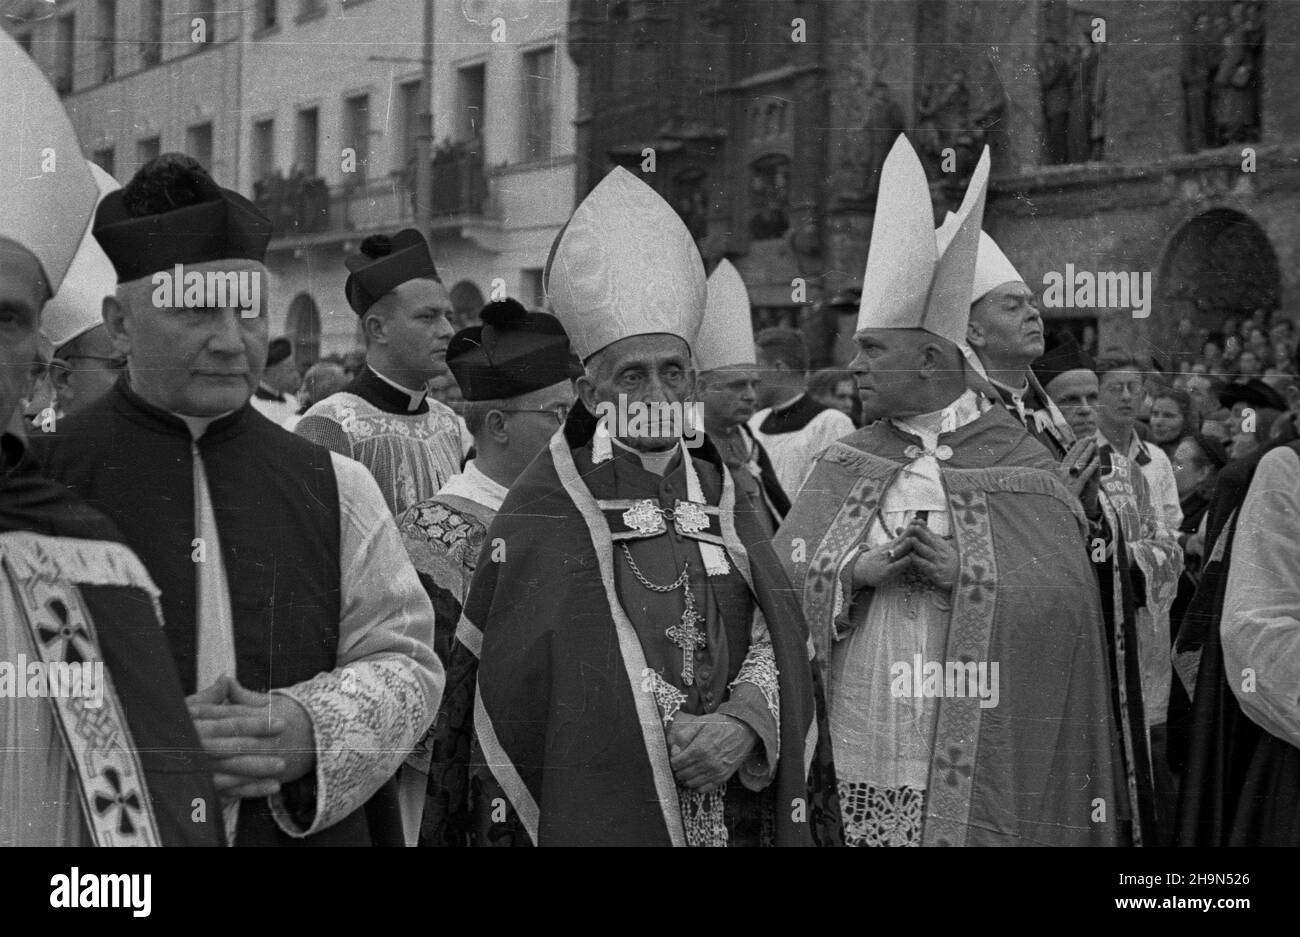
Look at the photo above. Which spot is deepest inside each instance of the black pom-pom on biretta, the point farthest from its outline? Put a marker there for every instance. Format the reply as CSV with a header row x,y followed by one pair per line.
x,y
504,314
166,183
172,213
513,352
384,263
377,245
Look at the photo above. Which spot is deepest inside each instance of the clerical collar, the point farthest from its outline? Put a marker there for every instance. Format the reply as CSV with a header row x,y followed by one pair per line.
x,y
930,426
1007,390
135,408
474,485
791,416
268,393
786,405
198,425
414,398
655,462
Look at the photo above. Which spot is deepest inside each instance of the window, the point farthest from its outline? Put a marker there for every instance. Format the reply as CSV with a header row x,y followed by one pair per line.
x,y
151,33
147,149
104,158
106,39
471,96
409,104
263,149
267,15
539,84
198,143
356,132
67,38
307,141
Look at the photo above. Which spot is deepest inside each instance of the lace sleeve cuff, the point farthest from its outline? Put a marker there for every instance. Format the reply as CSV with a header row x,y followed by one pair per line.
x,y
756,701
365,718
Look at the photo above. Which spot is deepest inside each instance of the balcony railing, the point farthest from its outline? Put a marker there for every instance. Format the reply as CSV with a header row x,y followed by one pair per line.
x,y
299,206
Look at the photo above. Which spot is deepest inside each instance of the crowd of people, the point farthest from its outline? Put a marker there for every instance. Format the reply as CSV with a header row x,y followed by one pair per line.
x,y
648,581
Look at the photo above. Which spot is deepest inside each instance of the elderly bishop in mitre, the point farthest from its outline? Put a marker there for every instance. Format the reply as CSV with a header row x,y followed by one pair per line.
x,y
643,672
945,579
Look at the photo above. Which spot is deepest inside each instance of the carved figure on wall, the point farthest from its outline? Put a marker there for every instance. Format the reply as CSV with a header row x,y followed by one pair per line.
x,y
884,121
942,113
947,120
691,199
1236,83
1087,132
769,187
1055,82
1202,52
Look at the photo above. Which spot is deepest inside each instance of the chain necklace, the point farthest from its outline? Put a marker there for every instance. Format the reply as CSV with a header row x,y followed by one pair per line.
x,y
686,633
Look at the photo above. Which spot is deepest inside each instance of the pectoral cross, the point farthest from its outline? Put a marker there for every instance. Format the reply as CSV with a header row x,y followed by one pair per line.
x,y
687,635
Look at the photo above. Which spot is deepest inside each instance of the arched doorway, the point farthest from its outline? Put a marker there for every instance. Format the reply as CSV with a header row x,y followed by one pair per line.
x,y
1218,264
466,302
303,329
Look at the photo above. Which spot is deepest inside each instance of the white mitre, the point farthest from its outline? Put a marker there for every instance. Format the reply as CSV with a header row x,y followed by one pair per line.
x,y
727,334
47,191
624,265
910,283
992,268
78,306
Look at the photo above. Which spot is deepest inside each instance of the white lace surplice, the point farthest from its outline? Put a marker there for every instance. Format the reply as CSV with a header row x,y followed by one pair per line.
x,y
882,742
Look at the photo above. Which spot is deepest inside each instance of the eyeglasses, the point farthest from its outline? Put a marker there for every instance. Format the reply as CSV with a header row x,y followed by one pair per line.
x,y
560,411
1114,390
115,363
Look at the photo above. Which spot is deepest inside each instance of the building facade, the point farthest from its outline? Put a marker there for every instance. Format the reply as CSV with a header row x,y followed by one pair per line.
x,y
313,109
1129,138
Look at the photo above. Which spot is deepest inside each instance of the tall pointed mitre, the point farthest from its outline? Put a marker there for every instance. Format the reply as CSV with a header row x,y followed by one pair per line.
x,y
78,305
910,283
46,189
727,334
624,265
992,268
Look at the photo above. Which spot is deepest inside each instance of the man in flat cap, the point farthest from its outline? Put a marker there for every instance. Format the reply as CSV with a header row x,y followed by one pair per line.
x,y
516,372
270,397
385,418
96,744
724,355
294,617
926,547
643,669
